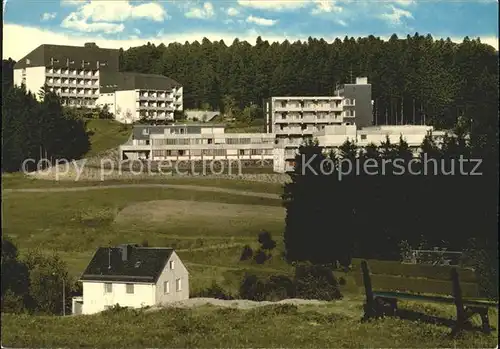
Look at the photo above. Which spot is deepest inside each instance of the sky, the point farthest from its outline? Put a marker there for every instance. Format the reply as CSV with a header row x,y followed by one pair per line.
x,y
125,24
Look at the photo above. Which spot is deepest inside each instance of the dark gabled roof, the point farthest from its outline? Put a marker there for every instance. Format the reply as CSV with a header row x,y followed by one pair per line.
x,y
143,264
120,81
42,57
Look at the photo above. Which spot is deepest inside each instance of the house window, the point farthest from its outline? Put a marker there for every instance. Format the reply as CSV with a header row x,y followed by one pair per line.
x,y
130,288
166,287
172,264
108,287
363,136
178,285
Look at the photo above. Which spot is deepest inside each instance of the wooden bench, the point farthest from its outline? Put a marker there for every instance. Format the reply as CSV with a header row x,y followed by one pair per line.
x,y
380,303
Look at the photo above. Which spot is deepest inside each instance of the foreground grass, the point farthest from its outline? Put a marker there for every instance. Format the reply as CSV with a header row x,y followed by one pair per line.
x,y
18,181
106,134
209,327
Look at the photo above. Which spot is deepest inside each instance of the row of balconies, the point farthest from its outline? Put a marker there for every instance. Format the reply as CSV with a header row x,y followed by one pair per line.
x,y
72,72
168,98
308,108
297,130
59,82
311,119
79,102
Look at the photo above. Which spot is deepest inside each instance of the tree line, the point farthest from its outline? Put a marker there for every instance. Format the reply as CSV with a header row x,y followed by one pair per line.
x,y
39,130
34,283
331,219
414,80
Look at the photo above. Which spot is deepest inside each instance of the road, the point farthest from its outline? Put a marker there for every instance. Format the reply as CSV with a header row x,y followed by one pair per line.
x,y
160,186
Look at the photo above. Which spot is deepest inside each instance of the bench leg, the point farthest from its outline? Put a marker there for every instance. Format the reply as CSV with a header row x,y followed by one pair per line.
x,y
485,320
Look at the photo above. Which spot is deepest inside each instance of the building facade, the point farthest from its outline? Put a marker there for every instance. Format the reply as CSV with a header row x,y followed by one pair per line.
x,y
132,276
89,77
332,137
196,142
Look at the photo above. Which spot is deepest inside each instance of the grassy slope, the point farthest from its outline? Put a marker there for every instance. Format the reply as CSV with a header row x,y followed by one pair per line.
x,y
210,327
15,181
106,134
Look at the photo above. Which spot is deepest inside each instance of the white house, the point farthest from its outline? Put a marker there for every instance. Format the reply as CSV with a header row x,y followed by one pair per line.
x,y
132,276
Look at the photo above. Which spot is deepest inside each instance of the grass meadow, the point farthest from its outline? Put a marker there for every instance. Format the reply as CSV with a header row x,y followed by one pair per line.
x,y
209,230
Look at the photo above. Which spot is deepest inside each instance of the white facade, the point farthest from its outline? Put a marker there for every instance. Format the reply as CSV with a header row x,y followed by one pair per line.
x,y
332,137
130,106
306,115
76,87
211,143
172,285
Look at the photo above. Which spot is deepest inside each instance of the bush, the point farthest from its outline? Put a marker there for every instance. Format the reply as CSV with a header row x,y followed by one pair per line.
x,y
266,241
214,291
12,303
274,288
252,288
316,282
261,257
247,253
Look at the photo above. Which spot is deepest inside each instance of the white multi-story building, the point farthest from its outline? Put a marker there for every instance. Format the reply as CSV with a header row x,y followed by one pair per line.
x,y
196,142
89,76
133,96
293,119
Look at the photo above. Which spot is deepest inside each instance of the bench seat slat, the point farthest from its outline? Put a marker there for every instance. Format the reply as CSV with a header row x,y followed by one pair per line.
x,y
435,299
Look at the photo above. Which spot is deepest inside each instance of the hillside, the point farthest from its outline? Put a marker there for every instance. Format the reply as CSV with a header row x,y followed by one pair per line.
x,y
106,134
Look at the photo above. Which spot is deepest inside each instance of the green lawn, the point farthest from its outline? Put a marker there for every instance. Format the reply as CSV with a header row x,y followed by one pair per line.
x,y
106,134
211,327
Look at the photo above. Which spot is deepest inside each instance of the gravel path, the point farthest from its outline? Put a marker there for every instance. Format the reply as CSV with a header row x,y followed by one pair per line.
x,y
236,303
165,186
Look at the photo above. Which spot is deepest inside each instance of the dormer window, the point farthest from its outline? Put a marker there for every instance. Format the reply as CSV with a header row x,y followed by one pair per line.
x,y
28,61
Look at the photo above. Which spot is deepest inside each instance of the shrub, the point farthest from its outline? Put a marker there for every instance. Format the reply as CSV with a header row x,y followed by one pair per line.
x,y
266,241
214,291
274,288
316,282
247,253
261,257
252,288
12,303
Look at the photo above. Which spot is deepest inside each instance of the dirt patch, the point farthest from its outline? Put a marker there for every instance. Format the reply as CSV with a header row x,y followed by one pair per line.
x,y
160,211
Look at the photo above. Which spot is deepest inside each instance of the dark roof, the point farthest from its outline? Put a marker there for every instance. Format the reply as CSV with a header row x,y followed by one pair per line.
x,y
143,264
119,81
60,55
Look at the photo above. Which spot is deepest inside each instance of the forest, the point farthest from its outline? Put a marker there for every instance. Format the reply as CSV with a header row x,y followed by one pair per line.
x,y
414,79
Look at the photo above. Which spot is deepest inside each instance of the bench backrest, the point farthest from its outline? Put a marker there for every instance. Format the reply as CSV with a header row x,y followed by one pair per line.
x,y
420,284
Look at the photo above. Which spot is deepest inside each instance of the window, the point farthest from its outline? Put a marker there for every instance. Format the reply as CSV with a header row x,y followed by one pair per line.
x,y
166,287
130,288
178,285
108,287
172,264
28,61
363,136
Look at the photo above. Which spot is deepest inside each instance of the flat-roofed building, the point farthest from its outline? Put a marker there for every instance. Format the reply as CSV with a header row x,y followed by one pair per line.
x,y
332,137
196,142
